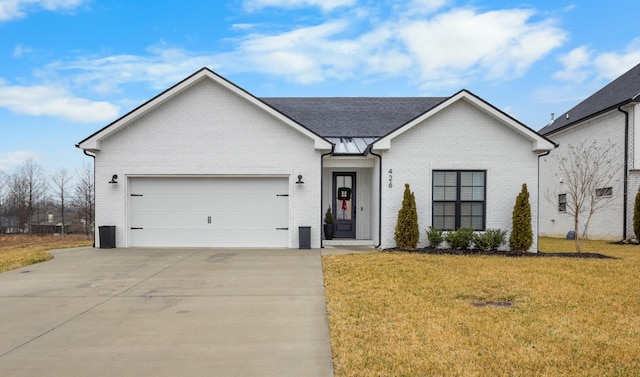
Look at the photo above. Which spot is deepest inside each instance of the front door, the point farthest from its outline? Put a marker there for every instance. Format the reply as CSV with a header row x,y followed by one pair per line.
x,y
344,204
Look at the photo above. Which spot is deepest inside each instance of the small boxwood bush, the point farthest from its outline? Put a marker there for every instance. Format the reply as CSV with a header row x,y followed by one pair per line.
x,y
460,239
435,237
491,239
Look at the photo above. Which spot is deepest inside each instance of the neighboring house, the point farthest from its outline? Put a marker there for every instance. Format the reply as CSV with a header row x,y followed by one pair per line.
x,y
207,164
610,114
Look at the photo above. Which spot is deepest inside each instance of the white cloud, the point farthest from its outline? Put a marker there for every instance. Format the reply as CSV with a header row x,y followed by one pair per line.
x,y
9,161
576,65
491,45
446,50
305,55
20,50
426,6
613,64
14,9
162,67
42,100
325,5
583,63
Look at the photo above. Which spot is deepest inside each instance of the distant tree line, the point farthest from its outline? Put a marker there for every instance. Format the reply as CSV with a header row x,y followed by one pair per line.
x,y
34,202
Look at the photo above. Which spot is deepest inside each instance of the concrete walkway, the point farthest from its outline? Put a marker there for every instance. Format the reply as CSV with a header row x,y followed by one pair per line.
x,y
150,312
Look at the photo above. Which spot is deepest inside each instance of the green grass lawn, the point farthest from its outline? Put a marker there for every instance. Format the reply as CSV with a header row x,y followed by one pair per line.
x,y
403,314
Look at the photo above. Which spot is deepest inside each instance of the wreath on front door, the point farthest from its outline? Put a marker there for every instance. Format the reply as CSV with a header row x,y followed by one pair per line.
x,y
344,194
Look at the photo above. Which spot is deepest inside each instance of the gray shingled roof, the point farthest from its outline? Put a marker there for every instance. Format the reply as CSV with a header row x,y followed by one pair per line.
x,y
353,116
625,88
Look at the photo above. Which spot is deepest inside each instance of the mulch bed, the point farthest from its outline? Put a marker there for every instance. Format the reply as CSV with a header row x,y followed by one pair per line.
x,y
431,250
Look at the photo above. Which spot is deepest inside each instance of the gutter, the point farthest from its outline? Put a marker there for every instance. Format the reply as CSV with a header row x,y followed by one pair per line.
x,y
93,156
321,191
626,172
379,197
538,214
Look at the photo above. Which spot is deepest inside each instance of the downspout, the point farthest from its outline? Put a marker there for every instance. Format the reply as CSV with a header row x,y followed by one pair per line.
x,y
626,172
322,191
538,215
93,156
379,198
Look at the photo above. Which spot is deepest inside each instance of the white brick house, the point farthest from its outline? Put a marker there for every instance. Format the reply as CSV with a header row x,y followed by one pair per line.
x,y
610,114
207,164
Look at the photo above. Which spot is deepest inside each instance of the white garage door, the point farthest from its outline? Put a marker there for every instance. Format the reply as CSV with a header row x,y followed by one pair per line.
x,y
209,212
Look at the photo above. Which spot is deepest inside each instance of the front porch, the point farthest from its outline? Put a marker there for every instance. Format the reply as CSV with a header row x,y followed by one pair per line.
x,y
350,186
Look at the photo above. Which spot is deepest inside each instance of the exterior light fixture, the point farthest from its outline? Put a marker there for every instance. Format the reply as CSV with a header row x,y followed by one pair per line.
x,y
113,179
300,180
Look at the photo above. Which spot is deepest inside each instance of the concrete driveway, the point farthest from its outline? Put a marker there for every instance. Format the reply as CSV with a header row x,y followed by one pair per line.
x,y
159,312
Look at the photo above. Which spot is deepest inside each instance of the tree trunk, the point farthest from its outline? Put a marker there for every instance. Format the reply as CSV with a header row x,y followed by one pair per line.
x,y
576,226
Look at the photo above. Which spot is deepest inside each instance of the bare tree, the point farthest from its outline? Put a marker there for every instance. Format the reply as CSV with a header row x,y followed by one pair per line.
x,y
17,201
4,180
59,184
27,192
586,172
83,197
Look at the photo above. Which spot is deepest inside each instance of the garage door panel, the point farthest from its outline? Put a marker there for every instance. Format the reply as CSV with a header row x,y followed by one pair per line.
x,y
224,238
209,212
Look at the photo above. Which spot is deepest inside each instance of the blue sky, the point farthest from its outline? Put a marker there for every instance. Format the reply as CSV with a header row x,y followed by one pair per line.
x,y
70,67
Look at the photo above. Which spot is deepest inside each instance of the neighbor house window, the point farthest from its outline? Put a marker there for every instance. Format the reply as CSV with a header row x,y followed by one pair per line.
x,y
562,203
459,199
607,191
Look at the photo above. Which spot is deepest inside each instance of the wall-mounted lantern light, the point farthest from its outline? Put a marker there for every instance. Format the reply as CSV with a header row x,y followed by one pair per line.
x,y
114,179
300,180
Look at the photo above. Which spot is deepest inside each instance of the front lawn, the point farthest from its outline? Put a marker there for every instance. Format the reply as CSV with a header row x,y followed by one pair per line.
x,y
404,314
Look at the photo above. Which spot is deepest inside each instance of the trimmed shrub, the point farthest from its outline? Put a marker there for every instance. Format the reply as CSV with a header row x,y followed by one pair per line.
x,y
407,232
435,237
521,232
636,215
328,216
460,239
491,239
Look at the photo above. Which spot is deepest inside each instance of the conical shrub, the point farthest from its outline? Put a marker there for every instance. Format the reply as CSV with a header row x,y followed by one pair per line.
x,y
407,232
521,237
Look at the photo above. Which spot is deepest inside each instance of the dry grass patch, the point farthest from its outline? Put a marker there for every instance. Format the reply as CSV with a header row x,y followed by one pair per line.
x,y
22,250
402,314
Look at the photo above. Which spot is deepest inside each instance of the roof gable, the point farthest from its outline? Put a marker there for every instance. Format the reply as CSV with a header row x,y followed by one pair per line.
x,y
620,91
538,142
92,143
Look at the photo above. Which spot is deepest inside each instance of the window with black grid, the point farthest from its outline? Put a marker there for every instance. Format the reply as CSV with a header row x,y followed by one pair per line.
x,y
459,198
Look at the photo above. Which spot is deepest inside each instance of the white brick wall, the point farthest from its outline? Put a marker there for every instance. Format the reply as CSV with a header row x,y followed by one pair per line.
x,y
461,137
207,130
607,222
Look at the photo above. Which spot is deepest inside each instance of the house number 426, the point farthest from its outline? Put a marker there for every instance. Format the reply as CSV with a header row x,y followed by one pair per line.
x,y
390,177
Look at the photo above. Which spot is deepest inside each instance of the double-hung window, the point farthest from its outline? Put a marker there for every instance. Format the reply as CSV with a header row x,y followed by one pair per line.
x,y
562,203
459,198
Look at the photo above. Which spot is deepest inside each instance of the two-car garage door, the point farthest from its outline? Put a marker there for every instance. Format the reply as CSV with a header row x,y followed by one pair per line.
x,y
209,212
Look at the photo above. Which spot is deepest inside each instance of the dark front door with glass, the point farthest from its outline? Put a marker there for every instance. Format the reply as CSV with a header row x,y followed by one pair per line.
x,y
344,204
